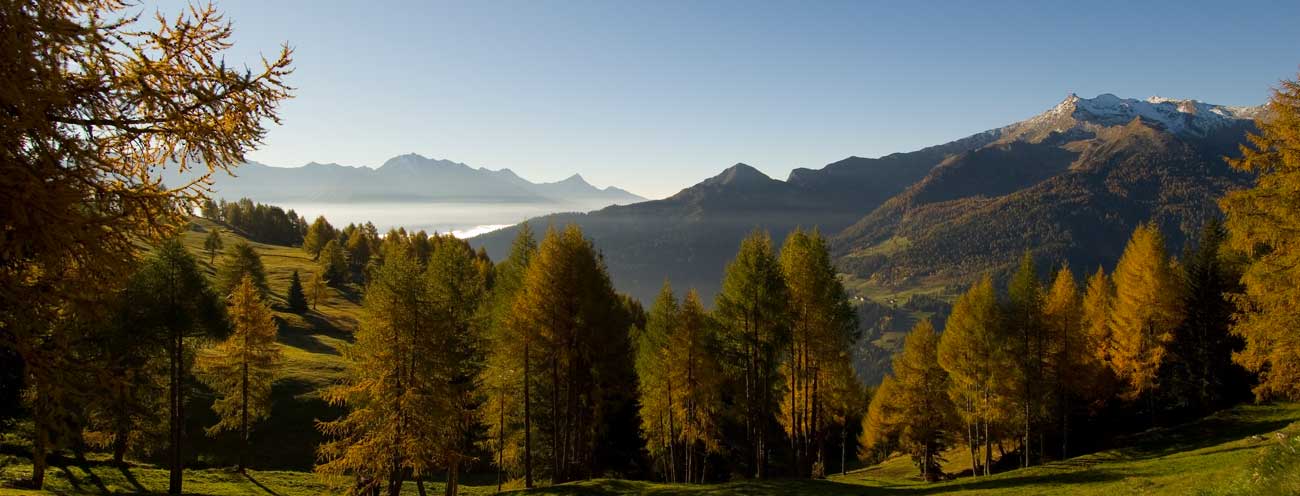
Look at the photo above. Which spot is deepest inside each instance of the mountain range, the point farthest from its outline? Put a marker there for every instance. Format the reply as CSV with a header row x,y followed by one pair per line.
x,y
1069,185
404,178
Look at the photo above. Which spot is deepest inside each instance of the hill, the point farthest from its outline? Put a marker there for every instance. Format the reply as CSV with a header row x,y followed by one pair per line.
x,y
1237,451
404,178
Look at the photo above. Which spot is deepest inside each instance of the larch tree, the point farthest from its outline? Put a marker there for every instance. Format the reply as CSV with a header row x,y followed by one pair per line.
x,y
1073,367
171,299
239,262
334,263
1024,318
318,234
973,351
925,413
454,290
318,291
660,418
879,436
213,244
242,368
823,329
1098,302
96,104
579,327
1263,222
505,379
753,316
697,368
389,430
1146,311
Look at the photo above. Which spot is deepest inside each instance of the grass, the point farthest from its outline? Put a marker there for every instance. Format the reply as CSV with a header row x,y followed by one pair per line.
x,y
1224,454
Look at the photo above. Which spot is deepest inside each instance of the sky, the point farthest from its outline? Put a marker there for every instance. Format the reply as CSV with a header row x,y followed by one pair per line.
x,y
656,96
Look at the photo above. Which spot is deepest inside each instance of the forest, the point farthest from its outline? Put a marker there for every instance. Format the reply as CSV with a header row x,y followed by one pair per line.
x,y
533,371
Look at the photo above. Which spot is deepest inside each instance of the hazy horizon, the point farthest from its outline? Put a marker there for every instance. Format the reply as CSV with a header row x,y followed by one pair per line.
x,y
654,99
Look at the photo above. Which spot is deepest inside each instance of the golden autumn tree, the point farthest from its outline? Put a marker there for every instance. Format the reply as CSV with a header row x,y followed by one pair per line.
x,y
96,104
879,436
507,411
660,420
697,368
1073,367
1263,222
1145,312
925,417
972,350
241,368
318,291
818,363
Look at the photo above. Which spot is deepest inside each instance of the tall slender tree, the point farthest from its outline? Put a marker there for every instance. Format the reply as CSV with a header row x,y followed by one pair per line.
x,y
1024,316
753,314
242,368
972,350
924,416
823,330
1147,310
506,379
242,261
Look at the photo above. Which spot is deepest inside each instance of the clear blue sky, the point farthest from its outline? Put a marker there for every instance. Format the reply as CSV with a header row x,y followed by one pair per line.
x,y
654,96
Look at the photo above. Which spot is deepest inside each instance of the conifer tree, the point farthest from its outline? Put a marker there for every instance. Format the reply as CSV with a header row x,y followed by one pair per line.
x,y
660,420
1024,317
334,263
173,303
318,234
97,103
823,329
924,413
1098,302
240,261
1263,221
295,297
698,370
580,328
879,436
505,380
213,244
1073,367
318,290
241,368
753,315
1146,311
973,351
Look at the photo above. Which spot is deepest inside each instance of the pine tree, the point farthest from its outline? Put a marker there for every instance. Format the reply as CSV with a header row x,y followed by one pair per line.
x,y
1146,311
241,368
296,298
241,261
213,244
173,304
973,351
334,263
823,328
753,315
1262,222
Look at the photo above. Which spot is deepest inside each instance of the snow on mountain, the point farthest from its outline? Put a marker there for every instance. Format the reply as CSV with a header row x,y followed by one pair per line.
x,y
1181,117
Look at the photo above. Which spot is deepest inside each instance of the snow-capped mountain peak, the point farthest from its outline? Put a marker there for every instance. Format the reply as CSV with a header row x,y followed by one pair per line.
x,y
1182,117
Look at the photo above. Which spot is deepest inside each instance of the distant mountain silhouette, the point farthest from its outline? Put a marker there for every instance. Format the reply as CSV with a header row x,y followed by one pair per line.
x,y
403,178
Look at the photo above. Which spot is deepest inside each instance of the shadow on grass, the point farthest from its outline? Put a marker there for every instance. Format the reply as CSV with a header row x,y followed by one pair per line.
x,y
260,485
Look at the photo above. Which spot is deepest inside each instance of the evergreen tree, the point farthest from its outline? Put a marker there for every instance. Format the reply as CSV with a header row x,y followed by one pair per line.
x,y
296,298
213,244
334,263
823,329
973,351
173,303
239,262
1146,311
1199,374
1262,222
241,368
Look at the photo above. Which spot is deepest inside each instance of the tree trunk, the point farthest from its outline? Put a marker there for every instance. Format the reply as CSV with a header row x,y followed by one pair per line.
x,y
501,438
40,445
176,424
528,422
243,419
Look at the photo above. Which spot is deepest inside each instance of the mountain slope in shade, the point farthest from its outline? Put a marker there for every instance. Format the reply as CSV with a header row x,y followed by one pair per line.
x,y
404,178
1070,184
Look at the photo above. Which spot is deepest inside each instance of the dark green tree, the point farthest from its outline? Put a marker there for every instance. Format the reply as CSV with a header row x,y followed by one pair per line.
x,y
241,260
334,263
296,298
